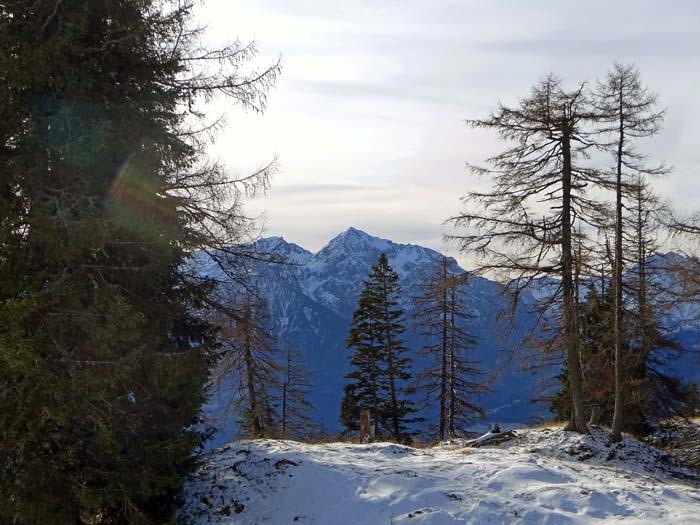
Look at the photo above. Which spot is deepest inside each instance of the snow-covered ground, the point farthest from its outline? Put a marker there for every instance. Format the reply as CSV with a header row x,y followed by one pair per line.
x,y
544,477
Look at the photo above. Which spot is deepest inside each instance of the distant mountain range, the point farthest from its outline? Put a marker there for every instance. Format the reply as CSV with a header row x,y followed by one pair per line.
x,y
312,300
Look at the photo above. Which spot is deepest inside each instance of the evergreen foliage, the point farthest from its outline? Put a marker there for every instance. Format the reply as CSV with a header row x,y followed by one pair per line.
x,y
104,193
380,379
652,393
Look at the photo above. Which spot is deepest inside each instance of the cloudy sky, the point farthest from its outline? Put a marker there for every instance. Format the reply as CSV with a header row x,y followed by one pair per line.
x,y
367,117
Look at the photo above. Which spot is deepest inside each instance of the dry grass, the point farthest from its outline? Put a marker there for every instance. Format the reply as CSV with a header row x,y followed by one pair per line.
x,y
548,424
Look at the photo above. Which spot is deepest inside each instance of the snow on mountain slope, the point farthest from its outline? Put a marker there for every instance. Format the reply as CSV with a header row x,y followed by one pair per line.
x,y
537,480
334,275
311,302
292,253
312,298
333,278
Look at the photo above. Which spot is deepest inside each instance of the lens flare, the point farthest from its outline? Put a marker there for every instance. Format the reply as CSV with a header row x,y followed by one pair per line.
x,y
137,203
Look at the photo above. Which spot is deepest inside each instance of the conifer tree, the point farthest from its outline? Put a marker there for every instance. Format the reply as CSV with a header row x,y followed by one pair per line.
x,y
523,227
295,408
440,316
249,361
398,407
368,380
654,393
382,368
629,111
105,192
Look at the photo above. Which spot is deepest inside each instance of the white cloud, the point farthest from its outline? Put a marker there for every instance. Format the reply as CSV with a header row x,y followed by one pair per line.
x,y
368,112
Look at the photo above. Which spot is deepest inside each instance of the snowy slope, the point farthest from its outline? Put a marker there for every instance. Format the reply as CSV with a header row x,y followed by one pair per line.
x,y
545,477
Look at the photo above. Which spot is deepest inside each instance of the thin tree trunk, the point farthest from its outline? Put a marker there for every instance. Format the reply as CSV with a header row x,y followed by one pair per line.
x,y
390,366
577,276
642,297
443,377
453,393
284,393
374,416
602,280
618,415
573,360
252,397
644,342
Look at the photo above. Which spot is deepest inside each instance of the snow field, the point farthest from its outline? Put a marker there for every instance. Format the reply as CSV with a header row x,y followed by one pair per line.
x,y
545,477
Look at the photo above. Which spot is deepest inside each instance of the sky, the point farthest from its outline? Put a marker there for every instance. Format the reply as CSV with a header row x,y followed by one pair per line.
x,y
367,117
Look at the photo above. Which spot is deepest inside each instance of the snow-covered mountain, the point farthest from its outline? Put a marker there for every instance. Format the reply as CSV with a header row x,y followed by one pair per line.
x,y
312,298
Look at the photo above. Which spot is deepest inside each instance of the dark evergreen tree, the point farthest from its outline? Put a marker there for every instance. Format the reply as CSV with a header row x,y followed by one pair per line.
x,y
104,193
398,408
368,379
380,381
653,393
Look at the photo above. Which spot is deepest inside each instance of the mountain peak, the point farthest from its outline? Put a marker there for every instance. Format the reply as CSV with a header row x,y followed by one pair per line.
x,y
290,251
354,239
356,233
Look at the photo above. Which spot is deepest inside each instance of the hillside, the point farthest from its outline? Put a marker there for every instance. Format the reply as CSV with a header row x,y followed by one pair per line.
x,y
544,477
312,299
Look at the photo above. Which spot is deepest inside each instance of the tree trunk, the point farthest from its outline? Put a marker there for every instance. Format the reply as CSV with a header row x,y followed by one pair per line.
x,y
642,287
252,397
284,393
443,377
573,360
453,393
390,367
618,415
250,373
375,394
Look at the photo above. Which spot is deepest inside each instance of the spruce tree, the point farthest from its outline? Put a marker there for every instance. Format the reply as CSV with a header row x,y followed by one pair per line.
x,y
368,379
104,194
382,367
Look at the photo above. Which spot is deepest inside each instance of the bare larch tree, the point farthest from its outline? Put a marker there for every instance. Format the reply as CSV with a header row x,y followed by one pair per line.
x,y
627,109
295,409
523,227
249,363
440,315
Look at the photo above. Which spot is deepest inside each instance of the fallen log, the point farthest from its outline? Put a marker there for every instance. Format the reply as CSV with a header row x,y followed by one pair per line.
x,y
492,437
